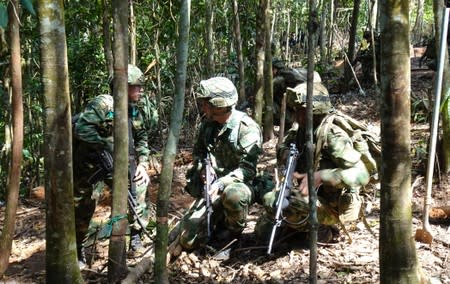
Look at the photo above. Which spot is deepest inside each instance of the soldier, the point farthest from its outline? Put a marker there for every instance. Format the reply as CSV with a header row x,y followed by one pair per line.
x,y
233,141
339,174
286,77
93,156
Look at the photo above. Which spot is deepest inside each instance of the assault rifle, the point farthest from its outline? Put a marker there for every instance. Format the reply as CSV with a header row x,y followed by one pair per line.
x,y
105,167
209,179
285,190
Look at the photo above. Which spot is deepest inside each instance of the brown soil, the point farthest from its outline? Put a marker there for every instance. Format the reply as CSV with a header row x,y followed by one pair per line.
x,y
341,262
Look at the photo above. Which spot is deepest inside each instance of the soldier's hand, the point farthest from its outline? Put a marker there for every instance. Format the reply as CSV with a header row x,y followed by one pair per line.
x,y
303,181
141,177
216,189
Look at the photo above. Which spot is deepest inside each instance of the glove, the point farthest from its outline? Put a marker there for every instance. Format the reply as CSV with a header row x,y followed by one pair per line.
x,y
216,189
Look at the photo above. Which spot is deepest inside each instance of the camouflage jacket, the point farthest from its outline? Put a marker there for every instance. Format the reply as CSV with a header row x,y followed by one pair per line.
x,y
234,147
339,163
95,126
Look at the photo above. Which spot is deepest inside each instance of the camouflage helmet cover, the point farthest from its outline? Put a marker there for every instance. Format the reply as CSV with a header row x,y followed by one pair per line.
x,y
135,76
296,97
219,91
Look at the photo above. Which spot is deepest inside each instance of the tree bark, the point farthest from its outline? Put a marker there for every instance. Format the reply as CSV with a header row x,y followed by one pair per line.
x,y
260,45
313,27
238,46
107,37
133,48
117,267
17,138
351,43
398,259
176,119
444,150
268,78
209,26
61,254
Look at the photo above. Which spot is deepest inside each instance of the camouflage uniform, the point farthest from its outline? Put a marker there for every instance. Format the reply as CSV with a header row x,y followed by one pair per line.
x,y
94,133
342,173
234,148
284,78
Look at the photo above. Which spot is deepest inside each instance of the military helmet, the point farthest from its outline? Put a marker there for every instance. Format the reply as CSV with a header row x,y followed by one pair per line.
x,y
219,91
296,97
135,76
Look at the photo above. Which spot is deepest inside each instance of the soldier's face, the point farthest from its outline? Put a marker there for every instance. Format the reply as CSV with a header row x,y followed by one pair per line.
x,y
205,108
134,93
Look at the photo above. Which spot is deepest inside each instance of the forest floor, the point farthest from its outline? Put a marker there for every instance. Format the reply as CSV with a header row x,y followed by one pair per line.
x,y
340,262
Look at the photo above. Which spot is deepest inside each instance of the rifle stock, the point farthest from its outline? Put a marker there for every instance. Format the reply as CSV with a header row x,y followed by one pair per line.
x,y
284,192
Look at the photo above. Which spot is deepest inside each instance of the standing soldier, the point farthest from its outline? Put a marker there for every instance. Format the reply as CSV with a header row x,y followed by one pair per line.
x,y
339,173
93,156
232,141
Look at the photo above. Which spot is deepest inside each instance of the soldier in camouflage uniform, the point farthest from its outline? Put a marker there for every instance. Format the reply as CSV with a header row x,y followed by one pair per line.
x,y
233,141
339,174
94,141
286,77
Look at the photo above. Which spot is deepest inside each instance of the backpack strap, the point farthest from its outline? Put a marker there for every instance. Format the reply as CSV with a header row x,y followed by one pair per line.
x,y
321,137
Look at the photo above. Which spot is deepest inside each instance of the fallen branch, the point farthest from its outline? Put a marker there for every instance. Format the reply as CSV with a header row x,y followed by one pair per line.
x,y
140,268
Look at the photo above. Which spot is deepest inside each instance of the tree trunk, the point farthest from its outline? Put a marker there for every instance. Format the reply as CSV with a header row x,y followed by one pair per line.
x,y
209,26
17,142
444,150
398,259
418,24
268,77
322,31
351,43
160,268
133,51
259,82
331,32
313,26
107,38
240,56
117,267
61,254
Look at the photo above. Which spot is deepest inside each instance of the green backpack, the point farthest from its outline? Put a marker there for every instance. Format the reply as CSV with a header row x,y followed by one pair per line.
x,y
365,142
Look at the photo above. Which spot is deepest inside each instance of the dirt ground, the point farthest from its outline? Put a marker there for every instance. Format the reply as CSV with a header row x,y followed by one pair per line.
x,y
340,262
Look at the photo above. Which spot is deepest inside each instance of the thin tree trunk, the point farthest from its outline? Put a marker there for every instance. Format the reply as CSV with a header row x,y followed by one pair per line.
x,y
398,259
313,26
107,38
117,267
260,45
162,229
240,56
17,142
351,43
418,24
61,254
322,32
209,25
268,77
133,48
331,33
444,151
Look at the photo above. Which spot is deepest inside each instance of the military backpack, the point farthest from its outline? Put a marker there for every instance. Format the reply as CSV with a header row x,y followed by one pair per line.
x,y
364,141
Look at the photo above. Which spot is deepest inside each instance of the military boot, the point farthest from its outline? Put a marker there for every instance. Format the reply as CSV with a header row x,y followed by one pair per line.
x,y
81,256
135,240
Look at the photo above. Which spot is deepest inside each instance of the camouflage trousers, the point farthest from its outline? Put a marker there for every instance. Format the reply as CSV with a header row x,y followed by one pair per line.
x,y
230,212
337,206
86,196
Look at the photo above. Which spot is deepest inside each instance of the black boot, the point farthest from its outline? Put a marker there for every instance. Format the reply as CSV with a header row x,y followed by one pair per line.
x,y
135,240
81,256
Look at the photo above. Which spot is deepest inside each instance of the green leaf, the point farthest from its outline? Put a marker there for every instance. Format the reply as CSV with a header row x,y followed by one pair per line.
x,y
29,6
3,16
